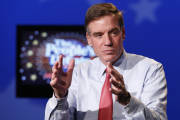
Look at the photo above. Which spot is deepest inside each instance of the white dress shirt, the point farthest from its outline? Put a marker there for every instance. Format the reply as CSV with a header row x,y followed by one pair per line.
x,y
144,79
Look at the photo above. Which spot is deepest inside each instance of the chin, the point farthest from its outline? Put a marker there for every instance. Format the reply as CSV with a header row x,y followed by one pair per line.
x,y
110,59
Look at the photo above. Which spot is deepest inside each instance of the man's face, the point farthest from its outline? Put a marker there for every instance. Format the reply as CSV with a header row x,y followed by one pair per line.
x,y
106,37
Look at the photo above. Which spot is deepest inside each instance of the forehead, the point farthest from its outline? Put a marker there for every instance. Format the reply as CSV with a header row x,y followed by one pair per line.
x,y
104,23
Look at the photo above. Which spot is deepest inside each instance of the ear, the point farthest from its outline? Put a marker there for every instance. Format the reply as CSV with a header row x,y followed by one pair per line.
x,y
123,33
88,37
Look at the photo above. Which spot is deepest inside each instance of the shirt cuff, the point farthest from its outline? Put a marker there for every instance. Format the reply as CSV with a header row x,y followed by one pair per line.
x,y
134,106
62,103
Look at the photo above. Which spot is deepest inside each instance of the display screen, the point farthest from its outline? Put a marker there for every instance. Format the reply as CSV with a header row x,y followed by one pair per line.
x,y
38,47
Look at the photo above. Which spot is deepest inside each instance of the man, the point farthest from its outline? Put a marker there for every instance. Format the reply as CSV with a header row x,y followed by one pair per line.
x,y
115,85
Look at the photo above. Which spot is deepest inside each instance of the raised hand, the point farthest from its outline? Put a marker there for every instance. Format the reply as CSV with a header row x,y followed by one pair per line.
x,y
60,81
118,86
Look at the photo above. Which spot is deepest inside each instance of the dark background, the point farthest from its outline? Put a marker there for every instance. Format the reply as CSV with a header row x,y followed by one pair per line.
x,y
152,29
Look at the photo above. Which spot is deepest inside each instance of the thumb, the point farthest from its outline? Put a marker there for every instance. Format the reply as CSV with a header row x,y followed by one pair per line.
x,y
71,67
109,66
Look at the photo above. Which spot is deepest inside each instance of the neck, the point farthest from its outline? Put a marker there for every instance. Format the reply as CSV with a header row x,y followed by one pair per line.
x,y
113,61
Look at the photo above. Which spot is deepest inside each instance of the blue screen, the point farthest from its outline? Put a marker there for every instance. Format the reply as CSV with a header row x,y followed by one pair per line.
x,y
152,30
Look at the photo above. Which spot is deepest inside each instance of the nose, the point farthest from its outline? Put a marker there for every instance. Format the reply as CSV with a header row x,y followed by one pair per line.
x,y
108,40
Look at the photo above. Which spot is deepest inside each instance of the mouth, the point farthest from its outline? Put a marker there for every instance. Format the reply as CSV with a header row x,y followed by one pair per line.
x,y
108,51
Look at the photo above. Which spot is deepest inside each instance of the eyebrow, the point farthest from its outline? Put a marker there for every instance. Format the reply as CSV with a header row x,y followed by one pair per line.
x,y
96,33
114,29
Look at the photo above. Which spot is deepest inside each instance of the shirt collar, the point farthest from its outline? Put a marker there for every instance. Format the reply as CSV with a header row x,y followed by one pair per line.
x,y
121,60
118,64
100,67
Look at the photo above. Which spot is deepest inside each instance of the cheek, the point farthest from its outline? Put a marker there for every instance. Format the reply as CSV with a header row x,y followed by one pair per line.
x,y
97,48
118,46
118,42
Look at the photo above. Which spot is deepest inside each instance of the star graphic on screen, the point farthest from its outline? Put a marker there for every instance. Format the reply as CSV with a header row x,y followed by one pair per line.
x,y
145,10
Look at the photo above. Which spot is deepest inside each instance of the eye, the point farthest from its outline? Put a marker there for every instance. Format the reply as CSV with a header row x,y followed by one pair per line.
x,y
115,32
98,35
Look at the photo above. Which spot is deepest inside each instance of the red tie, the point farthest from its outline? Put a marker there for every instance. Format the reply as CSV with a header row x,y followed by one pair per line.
x,y
106,103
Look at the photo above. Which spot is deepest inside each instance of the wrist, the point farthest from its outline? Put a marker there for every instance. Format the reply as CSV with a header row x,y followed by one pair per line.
x,y
60,95
128,97
124,99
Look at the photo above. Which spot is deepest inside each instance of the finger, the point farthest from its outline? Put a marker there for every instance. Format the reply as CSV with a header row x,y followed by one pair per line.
x,y
60,79
71,67
115,91
55,71
54,82
53,76
117,77
55,66
110,69
115,74
117,84
60,63
109,65
57,82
